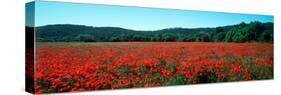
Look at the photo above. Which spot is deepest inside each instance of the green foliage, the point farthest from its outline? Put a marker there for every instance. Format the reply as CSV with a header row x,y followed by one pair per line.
x,y
243,32
252,32
85,38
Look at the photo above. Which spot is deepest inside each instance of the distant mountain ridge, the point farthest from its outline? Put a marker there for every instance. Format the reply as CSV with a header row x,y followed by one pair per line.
x,y
243,32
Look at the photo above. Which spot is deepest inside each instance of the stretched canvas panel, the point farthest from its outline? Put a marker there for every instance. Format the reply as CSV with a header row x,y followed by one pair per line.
x,y
83,47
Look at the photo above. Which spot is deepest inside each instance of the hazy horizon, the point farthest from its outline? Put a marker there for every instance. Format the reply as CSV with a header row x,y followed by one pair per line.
x,y
144,29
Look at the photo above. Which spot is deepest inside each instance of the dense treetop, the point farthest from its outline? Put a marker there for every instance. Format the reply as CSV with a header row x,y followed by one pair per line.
x,y
243,32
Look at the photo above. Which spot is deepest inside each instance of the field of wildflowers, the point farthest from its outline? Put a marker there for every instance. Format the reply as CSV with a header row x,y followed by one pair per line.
x,y
63,67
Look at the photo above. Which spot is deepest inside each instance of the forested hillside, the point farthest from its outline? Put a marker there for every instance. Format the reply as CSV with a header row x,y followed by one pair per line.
x,y
243,32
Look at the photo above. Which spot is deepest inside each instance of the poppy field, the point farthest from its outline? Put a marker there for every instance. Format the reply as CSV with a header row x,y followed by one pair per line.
x,y
72,67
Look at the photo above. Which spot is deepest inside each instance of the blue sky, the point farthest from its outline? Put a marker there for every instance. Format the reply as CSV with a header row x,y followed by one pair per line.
x,y
134,17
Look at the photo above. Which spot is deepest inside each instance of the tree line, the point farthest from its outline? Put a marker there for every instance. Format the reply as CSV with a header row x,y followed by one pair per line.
x,y
240,33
